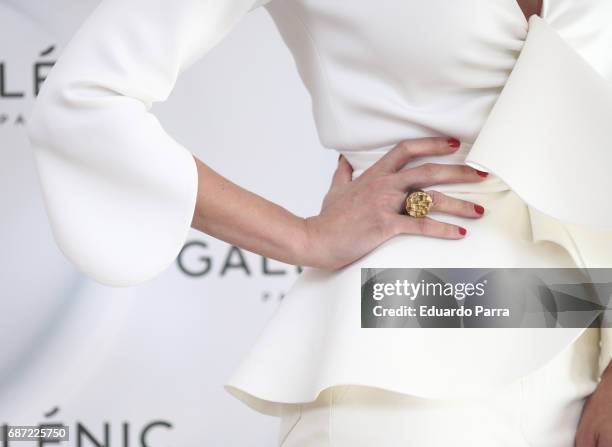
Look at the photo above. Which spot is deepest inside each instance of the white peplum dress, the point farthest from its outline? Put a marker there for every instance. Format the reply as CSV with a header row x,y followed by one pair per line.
x,y
530,101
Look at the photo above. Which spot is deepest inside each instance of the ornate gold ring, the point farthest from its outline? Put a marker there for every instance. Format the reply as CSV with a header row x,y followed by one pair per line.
x,y
417,203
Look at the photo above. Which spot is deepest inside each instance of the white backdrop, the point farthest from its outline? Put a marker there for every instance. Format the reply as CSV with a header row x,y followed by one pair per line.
x,y
97,358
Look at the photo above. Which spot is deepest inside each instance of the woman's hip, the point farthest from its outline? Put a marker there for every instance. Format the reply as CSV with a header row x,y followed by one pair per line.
x,y
315,340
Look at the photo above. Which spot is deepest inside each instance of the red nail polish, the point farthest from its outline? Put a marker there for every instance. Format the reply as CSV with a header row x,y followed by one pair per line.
x,y
462,231
479,209
453,142
482,173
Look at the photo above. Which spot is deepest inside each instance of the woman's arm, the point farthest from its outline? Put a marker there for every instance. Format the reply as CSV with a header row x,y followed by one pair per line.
x,y
230,213
357,215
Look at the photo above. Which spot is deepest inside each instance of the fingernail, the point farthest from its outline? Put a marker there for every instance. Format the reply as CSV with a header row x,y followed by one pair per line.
x,y
479,209
339,157
453,142
462,231
482,173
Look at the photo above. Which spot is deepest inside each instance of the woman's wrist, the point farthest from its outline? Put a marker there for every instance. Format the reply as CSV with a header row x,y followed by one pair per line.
x,y
303,244
308,250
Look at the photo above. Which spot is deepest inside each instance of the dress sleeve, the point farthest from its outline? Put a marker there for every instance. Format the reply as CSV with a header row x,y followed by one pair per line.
x,y
119,191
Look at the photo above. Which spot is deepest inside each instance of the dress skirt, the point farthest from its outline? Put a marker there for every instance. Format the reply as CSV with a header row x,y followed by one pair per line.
x,y
540,409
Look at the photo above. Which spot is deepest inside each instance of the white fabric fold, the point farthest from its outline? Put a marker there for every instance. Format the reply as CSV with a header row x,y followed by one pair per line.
x,y
549,138
549,135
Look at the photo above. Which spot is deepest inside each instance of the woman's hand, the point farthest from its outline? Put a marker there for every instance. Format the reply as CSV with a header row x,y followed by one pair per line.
x,y
359,215
595,428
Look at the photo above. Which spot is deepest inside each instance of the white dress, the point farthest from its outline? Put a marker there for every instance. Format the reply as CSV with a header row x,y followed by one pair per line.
x,y
378,72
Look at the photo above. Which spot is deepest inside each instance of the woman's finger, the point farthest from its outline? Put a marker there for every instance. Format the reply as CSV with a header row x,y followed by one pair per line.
x,y
343,173
453,206
407,150
426,226
430,174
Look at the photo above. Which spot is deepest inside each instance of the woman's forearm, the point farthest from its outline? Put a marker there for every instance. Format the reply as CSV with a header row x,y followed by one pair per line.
x,y
228,212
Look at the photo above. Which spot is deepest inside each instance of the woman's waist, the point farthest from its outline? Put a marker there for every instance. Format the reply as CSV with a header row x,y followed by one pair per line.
x,y
361,160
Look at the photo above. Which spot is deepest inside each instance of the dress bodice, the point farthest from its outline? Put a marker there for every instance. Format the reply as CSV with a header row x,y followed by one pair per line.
x,y
382,71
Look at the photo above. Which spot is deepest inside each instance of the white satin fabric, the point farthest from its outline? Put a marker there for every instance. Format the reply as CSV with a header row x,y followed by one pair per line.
x,y
529,100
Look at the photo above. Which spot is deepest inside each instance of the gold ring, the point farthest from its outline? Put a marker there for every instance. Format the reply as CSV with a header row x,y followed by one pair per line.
x,y
418,203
